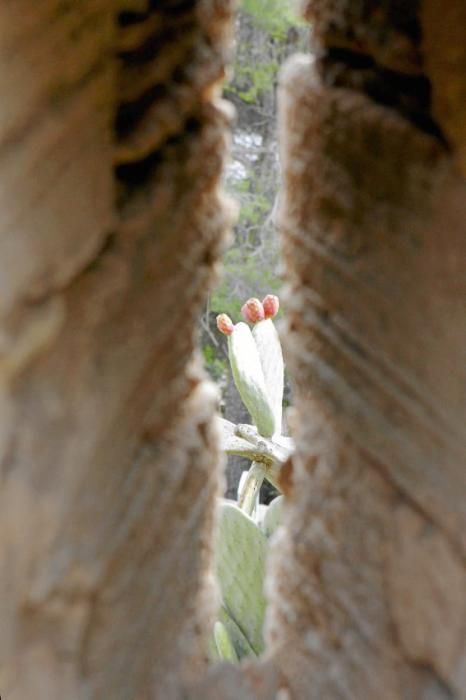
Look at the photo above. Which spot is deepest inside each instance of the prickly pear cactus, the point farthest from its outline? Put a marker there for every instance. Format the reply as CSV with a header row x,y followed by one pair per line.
x,y
223,643
240,566
256,361
237,636
273,516
242,537
240,556
271,357
249,378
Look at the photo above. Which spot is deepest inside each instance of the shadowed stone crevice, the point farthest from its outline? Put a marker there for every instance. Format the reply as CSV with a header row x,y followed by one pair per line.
x,y
409,95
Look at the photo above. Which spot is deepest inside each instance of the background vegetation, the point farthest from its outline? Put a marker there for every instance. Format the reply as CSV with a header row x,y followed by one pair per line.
x,y
267,31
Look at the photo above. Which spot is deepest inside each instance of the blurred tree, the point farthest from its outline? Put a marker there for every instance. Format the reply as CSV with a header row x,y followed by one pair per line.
x,y
267,32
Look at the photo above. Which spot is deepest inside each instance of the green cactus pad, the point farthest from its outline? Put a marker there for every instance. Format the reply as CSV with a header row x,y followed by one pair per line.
x,y
273,516
237,638
225,648
249,378
239,641
240,555
271,357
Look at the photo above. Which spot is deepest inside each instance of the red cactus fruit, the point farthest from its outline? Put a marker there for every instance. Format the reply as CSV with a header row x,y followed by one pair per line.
x,y
252,310
225,324
271,305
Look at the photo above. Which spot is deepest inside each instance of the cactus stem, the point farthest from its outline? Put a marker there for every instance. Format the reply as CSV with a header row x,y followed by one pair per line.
x,y
250,492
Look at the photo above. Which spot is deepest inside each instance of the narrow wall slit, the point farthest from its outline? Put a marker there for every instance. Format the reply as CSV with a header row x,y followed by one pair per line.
x,y
245,359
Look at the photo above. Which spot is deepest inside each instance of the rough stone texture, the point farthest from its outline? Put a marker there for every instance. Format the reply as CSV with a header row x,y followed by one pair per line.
x,y
386,30
370,592
54,144
444,49
412,53
109,235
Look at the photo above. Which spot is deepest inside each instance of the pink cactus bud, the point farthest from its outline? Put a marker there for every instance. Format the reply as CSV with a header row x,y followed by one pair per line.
x,y
225,324
252,310
271,305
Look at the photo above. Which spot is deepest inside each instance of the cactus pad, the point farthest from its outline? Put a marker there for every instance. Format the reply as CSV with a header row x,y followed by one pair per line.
x,y
225,647
271,358
273,516
249,378
240,555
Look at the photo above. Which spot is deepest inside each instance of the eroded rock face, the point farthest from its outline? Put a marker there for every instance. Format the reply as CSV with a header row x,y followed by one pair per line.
x,y
112,222
111,148
444,50
373,209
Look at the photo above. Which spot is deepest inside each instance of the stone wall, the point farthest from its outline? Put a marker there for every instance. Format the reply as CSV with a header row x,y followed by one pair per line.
x,y
111,150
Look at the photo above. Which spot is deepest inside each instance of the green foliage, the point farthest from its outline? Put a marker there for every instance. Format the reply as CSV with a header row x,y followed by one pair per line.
x,y
253,211
274,16
274,19
251,81
214,365
243,272
268,31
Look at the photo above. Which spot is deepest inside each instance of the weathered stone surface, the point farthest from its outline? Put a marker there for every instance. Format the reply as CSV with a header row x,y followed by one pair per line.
x,y
427,581
444,50
109,458
388,31
375,326
55,143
